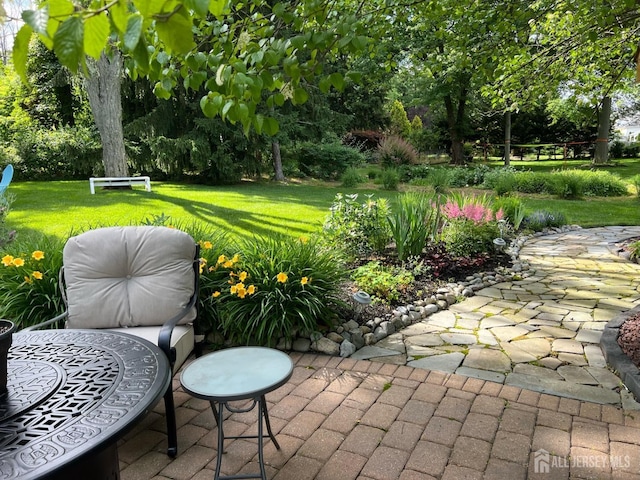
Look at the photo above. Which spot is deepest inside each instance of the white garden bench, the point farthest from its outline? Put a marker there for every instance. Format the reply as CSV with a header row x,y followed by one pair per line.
x,y
118,182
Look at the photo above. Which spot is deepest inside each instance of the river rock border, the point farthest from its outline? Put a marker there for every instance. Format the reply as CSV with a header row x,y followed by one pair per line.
x,y
350,336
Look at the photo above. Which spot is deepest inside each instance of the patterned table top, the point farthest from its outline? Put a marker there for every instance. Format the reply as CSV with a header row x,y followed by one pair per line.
x,y
73,391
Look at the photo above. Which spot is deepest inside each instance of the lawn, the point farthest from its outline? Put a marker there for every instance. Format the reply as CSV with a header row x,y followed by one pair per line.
x,y
256,208
56,208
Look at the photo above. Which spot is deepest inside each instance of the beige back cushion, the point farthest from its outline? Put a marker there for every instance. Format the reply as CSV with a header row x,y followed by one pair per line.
x,y
128,276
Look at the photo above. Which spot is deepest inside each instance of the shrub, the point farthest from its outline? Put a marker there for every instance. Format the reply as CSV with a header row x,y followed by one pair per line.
x,y
410,173
395,151
471,225
631,150
505,184
327,160
383,283
440,180
276,287
541,219
513,209
615,149
468,175
635,181
390,179
412,224
29,290
492,176
6,234
533,182
69,152
601,183
567,185
464,237
351,178
357,228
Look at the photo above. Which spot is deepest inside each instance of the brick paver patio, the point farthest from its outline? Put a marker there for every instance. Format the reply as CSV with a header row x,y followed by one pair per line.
x,y
397,418
341,419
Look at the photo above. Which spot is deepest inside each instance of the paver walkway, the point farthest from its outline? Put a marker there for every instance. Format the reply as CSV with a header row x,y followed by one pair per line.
x,y
342,419
396,417
539,333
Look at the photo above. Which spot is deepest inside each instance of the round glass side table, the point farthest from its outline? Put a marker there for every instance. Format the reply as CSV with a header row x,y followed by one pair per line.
x,y
239,373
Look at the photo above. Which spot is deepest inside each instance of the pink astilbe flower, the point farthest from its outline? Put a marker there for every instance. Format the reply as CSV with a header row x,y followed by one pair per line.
x,y
471,210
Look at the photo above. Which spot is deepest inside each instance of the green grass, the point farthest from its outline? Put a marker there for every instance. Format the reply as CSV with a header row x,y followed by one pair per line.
x,y
258,208
590,212
57,208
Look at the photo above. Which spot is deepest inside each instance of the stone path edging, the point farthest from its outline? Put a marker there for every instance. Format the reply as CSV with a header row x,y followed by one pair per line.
x,y
540,331
350,336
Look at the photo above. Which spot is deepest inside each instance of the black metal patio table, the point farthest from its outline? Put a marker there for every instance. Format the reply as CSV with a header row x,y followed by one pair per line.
x,y
71,395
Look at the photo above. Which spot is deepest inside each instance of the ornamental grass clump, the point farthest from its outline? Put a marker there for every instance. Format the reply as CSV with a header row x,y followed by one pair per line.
x,y
274,287
29,290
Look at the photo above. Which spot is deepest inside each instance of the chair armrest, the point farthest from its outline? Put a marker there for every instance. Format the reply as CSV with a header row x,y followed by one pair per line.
x,y
52,321
164,338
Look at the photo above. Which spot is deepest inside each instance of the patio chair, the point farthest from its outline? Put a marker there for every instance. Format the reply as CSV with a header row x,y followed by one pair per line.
x,y
7,176
140,280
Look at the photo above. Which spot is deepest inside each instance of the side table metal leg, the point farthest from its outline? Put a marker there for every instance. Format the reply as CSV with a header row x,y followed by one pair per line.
x,y
220,419
215,410
262,408
263,402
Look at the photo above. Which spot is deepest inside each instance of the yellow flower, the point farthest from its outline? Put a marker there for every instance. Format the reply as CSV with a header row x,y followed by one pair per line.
x,y
251,290
304,239
203,260
239,285
282,277
37,275
7,260
216,294
18,262
242,292
227,264
236,258
304,280
207,245
222,259
243,276
233,289
37,255
211,269
28,280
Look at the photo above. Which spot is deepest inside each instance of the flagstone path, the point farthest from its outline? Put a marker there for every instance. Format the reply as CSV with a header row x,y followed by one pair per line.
x,y
539,333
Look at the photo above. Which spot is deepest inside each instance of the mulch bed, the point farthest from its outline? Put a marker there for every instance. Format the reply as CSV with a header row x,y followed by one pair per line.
x,y
443,269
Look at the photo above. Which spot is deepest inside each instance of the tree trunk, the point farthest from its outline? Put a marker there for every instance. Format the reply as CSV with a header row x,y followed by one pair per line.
x,y
507,138
277,161
103,89
602,142
453,117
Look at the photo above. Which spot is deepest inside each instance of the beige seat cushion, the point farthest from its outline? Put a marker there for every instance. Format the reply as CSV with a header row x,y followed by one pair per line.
x,y
128,277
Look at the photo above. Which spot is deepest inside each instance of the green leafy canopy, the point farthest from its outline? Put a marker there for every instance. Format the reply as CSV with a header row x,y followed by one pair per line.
x,y
243,58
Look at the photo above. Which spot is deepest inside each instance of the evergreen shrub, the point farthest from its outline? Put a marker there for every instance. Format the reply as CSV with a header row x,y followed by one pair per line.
x,y
327,161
